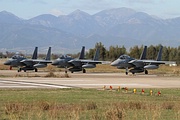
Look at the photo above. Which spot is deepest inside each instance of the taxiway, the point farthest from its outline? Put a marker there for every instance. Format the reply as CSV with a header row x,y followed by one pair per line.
x,y
87,80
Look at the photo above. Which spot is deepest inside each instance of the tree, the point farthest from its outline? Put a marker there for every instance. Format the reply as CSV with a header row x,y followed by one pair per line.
x,y
90,54
178,55
102,55
165,54
135,52
151,52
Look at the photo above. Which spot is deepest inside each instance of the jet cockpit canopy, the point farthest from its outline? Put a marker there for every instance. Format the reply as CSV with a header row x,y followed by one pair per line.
x,y
124,57
64,56
17,56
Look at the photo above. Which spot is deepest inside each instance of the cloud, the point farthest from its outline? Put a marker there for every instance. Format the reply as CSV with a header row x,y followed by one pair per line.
x,y
140,1
56,12
39,2
90,6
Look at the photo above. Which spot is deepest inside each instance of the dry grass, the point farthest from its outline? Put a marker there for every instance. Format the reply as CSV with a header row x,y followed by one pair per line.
x,y
165,70
116,111
88,104
53,75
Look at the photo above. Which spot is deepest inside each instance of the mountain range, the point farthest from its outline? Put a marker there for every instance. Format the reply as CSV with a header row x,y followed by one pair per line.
x,y
67,33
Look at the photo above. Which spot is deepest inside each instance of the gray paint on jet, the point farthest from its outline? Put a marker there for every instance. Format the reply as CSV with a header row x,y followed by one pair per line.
x,y
141,65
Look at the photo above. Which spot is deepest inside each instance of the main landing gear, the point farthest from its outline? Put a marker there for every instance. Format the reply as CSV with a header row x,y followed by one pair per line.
x,y
84,71
25,69
127,71
146,72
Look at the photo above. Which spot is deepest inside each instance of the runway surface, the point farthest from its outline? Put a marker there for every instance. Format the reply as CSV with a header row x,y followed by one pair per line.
x,y
87,80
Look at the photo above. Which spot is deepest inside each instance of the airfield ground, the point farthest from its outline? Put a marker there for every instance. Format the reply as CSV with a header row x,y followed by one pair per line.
x,y
31,95
13,79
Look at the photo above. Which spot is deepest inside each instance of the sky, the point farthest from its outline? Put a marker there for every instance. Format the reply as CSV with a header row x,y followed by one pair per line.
x,y
27,9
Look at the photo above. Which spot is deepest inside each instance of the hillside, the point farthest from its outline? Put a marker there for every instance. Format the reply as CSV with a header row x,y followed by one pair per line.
x,y
66,33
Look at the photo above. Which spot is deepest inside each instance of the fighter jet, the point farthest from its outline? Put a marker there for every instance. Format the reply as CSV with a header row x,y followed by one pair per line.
x,y
29,64
14,61
63,61
79,64
141,65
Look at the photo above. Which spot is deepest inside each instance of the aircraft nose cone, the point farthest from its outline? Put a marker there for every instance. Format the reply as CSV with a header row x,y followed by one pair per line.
x,y
115,63
7,62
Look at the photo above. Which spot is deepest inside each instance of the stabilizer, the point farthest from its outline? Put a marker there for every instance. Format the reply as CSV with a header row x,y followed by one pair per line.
x,y
96,56
143,55
48,56
159,56
82,54
35,54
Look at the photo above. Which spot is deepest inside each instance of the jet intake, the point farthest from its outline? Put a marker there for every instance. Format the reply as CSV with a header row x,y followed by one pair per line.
x,y
39,65
89,66
137,70
8,62
74,69
120,67
55,63
151,67
60,66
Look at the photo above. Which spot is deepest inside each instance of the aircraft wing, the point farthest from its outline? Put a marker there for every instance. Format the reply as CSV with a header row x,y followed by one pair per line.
x,y
36,63
42,61
27,62
86,63
95,62
135,62
89,62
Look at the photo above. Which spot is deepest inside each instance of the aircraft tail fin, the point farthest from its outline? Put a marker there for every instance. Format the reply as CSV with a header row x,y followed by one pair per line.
x,y
159,56
35,54
82,54
96,55
143,55
48,56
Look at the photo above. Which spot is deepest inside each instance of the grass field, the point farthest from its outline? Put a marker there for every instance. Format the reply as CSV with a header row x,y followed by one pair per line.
x,y
90,104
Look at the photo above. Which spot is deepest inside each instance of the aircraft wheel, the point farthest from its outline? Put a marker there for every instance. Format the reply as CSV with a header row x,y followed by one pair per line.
x,y
133,73
71,71
19,70
10,68
84,71
24,70
126,73
66,71
36,70
146,72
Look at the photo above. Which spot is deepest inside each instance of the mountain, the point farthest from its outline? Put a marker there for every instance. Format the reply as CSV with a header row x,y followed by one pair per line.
x,y
112,17
6,17
44,20
119,26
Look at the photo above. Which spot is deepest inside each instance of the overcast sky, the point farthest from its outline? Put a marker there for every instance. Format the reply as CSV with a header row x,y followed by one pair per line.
x,y
30,8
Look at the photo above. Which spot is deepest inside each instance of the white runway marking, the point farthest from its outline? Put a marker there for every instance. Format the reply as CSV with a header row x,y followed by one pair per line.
x,y
63,80
32,84
18,86
109,85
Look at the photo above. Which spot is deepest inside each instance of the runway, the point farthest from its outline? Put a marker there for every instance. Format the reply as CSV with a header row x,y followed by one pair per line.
x,y
89,80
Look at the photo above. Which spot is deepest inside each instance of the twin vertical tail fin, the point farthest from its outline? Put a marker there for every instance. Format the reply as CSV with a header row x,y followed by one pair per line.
x,y
143,55
159,56
35,54
82,54
96,55
48,56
